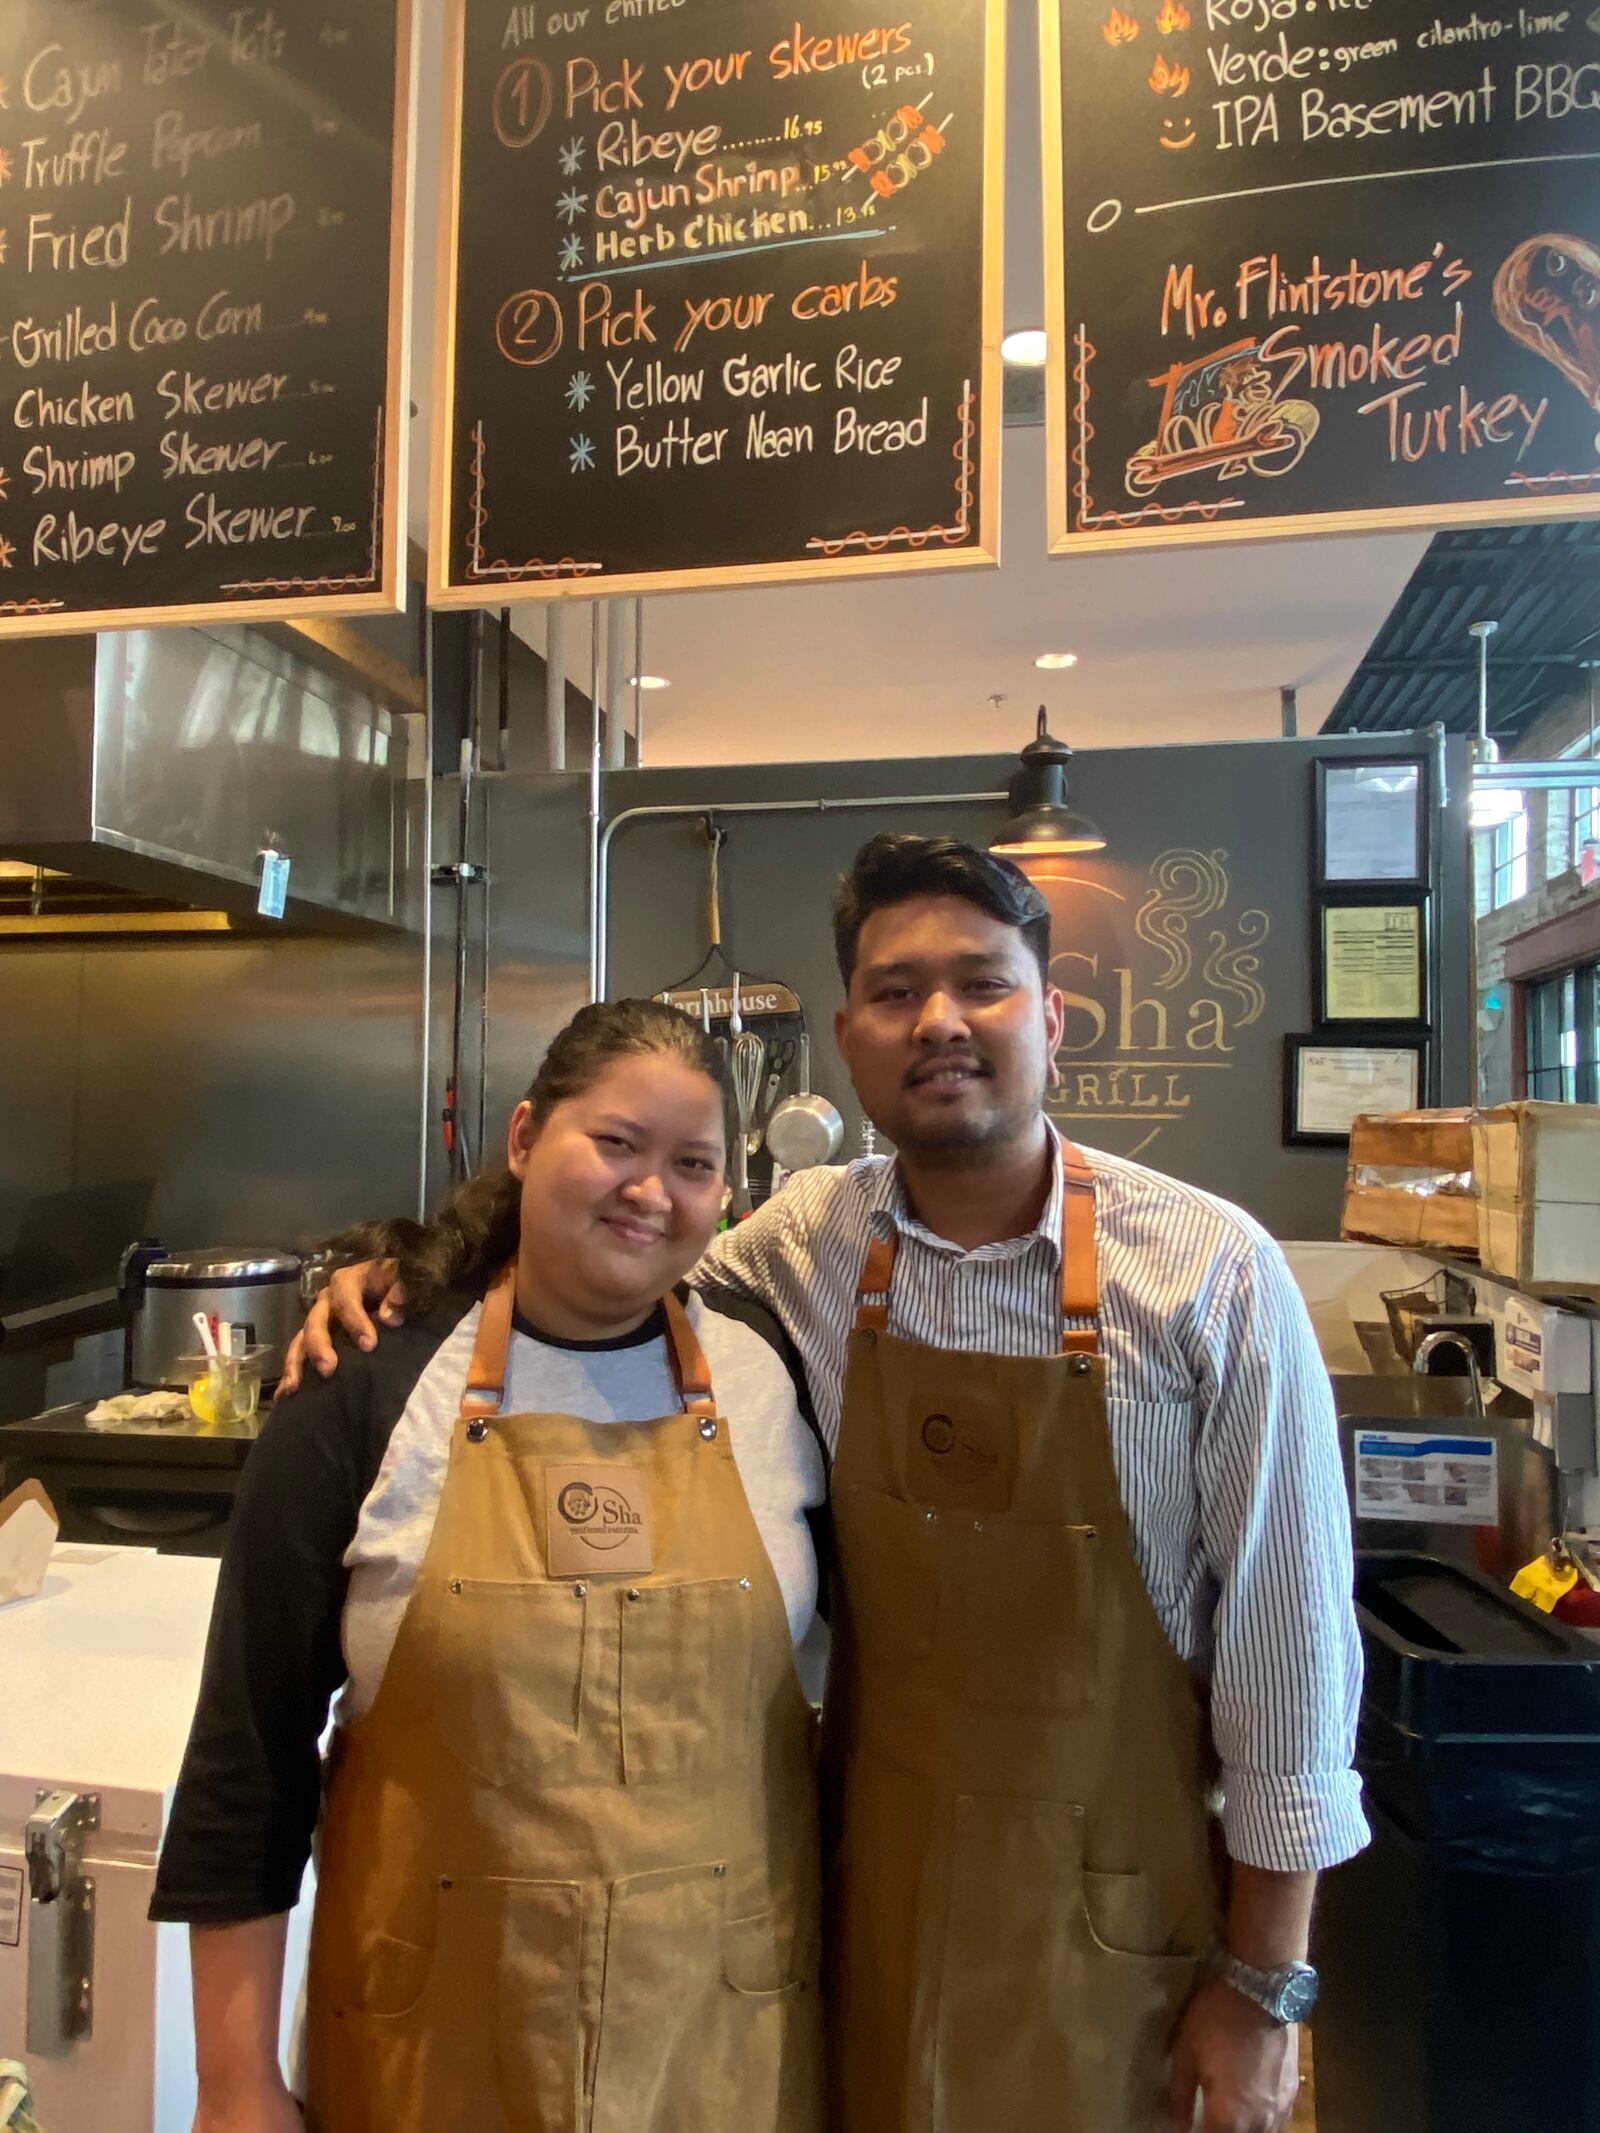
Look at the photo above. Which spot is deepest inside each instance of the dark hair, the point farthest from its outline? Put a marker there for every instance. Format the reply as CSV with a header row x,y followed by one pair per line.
x,y
892,868
475,1233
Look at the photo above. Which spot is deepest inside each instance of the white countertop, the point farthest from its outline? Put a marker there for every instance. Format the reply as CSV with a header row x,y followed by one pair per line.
x,y
98,1677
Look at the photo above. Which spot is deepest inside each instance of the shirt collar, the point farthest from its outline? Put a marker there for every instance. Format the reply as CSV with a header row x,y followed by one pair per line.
x,y
888,1210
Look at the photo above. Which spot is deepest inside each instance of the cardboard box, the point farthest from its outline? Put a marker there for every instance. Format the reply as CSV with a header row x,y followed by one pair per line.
x,y
1538,1172
1410,1181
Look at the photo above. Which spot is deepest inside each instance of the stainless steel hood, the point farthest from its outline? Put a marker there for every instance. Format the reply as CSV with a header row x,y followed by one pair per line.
x,y
166,761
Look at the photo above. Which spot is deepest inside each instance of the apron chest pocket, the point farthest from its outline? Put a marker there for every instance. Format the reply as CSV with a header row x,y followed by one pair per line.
x,y
1026,1634
686,1666
508,1685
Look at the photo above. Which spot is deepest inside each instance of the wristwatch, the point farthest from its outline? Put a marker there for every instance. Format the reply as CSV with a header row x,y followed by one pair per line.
x,y
1284,1994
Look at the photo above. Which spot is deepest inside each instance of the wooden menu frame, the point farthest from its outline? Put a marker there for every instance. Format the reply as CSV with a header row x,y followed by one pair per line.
x,y
444,591
388,596
1281,525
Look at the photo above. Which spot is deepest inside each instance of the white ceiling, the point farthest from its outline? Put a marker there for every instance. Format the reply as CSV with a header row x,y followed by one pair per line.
x,y
1183,647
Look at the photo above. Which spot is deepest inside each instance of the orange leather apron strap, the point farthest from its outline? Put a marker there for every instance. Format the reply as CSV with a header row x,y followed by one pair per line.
x,y
486,1376
1080,1266
689,1365
1080,1260
872,1296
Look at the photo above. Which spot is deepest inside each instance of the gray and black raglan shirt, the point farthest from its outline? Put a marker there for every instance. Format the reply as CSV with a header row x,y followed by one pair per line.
x,y
335,1508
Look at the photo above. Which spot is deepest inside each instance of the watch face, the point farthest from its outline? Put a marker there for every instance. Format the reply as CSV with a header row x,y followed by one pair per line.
x,y
1298,1996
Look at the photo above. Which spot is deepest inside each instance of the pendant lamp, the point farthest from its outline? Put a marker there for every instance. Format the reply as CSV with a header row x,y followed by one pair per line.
x,y
1042,824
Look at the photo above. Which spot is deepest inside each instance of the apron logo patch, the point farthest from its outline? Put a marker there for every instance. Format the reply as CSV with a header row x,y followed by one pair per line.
x,y
592,1518
939,1435
960,1454
602,1517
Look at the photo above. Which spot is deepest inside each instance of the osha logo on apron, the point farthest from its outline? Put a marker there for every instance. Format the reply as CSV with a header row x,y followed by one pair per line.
x,y
962,1453
962,1461
597,1519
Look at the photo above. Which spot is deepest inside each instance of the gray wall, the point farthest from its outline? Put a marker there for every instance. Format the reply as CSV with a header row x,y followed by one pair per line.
x,y
1245,808
272,1084
270,1087
536,930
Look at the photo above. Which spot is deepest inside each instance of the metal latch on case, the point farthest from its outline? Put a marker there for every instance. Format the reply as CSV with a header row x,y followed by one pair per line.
x,y
60,1920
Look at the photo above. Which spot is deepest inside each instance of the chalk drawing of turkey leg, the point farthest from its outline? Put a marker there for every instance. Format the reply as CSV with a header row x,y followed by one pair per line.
x,y
1547,296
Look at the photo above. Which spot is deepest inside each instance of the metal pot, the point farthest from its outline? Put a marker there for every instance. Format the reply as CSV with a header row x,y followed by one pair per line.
x,y
804,1129
258,1290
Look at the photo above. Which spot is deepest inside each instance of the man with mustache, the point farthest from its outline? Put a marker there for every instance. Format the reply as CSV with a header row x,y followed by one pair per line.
x,y
1095,1673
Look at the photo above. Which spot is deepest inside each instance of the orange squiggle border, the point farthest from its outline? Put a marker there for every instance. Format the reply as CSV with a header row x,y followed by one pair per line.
x,y
349,583
568,567
960,530
1083,430
31,607
1556,480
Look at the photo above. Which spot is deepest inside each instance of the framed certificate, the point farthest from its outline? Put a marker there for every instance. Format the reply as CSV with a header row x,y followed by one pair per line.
x,y
1329,1080
1370,825
1371,959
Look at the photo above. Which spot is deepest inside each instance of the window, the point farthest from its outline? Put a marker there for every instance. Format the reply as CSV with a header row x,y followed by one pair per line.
x,y
1508,861
1564,1036
1585,818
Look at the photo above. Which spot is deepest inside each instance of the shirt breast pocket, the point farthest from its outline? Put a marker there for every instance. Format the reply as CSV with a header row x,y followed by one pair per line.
x,y
1153,1448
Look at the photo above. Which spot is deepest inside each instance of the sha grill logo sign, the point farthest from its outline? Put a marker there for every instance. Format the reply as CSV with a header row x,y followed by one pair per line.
x,y
1162,981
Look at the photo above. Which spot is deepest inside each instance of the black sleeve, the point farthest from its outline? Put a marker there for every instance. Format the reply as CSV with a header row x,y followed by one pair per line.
x,y
729,1303
249,1791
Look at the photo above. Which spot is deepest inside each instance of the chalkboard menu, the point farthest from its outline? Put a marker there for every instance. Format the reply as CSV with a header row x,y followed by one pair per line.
x,y
202,289
1315,264
721,300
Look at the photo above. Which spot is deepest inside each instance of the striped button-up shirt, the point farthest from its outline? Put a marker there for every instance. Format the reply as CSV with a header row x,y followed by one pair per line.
x,y
1222,1430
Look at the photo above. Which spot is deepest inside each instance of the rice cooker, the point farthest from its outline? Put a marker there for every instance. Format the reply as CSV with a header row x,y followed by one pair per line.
x,y
258,1290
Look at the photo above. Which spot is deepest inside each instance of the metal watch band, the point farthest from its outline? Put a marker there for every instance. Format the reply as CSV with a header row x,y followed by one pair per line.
x,y
1285,1994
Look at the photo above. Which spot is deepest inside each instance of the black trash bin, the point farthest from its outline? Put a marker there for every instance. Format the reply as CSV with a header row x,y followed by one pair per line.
x,y
1461,1953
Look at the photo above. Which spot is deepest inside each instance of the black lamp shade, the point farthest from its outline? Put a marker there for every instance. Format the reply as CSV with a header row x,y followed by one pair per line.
x,y
1041,821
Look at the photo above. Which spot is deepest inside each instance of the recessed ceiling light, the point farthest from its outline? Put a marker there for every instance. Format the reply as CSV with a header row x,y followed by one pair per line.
x,y
648,681
1050,660
1026,350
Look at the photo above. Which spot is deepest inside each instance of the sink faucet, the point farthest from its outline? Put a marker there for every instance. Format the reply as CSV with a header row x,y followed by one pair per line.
x,y
1444,1338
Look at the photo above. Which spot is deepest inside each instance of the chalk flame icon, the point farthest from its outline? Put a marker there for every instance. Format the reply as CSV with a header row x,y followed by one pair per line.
x,y
1119,28
1174,16
1547,296
1168,81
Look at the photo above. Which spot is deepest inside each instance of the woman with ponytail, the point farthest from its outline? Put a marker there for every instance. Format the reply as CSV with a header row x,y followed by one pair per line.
x,y
548,1546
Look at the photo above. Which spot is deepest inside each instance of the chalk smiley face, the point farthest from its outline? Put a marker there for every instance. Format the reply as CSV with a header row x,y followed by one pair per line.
x,y
1177,133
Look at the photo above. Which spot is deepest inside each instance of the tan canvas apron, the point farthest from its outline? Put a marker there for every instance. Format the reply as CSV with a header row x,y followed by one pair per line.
x,y
1016,1762
568,1874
